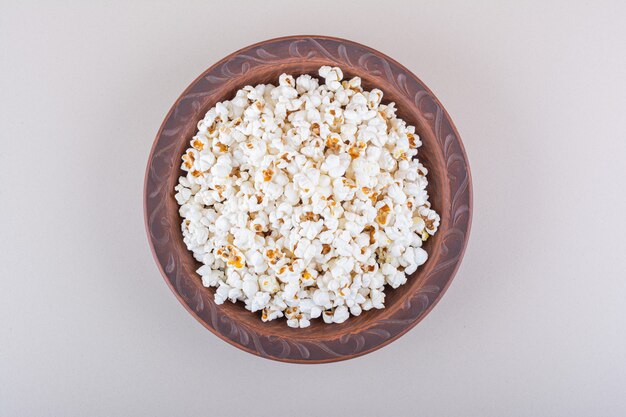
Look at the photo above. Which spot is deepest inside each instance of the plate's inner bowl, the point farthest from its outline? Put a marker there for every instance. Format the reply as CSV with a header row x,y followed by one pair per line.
x,y
430,155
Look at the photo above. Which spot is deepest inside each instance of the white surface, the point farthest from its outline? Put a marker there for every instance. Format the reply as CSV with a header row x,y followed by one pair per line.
x,y
533,325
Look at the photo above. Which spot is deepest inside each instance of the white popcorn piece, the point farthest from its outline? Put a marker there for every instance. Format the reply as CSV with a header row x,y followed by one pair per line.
x,y
259,301
374,98
305,200
321,299
332,77
341,314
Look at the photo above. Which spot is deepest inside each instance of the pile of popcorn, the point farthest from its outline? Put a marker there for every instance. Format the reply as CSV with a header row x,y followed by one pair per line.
x,y
305,200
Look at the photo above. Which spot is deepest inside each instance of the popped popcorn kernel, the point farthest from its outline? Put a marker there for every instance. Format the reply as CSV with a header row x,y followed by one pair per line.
x,y
354,152
267,175
383,215
188,160
197,144
333,142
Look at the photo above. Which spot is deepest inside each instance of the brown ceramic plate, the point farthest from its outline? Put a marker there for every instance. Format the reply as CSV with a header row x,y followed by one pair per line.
x,y
449,187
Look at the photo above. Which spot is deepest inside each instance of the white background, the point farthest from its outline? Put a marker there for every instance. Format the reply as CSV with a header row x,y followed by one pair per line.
x,y
534,323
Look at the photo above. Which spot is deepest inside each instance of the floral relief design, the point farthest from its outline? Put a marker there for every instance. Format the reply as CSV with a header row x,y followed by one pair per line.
x,y
163,226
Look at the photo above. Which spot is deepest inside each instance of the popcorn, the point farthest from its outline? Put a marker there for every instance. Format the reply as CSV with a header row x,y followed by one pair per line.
x,y
332,77
374,98
259,301
340,314
305,201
